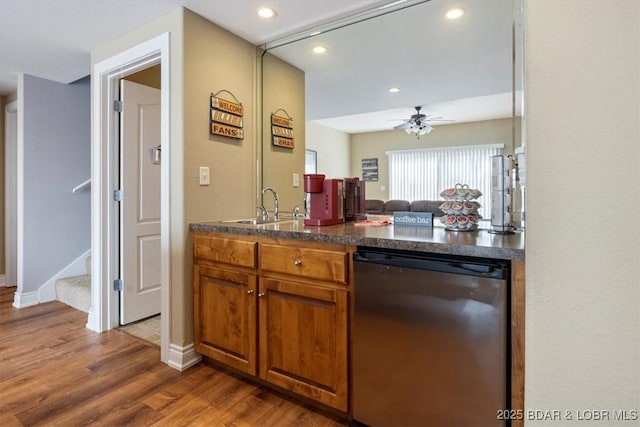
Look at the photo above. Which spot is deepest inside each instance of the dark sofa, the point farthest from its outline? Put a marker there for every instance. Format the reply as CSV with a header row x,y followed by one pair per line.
x,y
374,206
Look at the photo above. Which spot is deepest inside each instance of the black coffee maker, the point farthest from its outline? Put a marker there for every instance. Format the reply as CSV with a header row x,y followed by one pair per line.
x,y
354,199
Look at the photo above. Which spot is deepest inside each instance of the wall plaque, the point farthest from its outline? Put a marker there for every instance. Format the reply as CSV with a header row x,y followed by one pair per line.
x,y
226,116
282,130
370,169
224,130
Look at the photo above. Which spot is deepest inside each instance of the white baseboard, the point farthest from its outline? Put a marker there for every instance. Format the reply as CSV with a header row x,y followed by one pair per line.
x,y
2,284
47,291
92,321
25,299
182,358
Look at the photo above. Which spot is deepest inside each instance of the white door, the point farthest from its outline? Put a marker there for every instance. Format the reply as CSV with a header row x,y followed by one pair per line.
x,y
140,207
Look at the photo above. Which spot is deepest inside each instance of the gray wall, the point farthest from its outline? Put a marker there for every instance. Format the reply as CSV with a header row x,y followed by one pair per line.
x,y
57,157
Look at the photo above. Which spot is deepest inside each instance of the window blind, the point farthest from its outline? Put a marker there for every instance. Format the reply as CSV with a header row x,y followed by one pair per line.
x,y
422,174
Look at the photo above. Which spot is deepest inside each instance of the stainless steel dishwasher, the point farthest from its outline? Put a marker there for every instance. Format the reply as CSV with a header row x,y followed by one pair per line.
x,y
430,339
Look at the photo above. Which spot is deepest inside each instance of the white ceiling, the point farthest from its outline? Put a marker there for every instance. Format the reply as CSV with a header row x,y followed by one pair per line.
x,y
458,70
53,39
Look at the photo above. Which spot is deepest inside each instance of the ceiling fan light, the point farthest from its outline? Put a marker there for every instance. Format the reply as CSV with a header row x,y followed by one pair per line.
x,y
417,125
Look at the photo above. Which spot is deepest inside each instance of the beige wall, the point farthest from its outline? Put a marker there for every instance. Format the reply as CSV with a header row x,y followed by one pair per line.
x,y
376,144
148,77
583,265
283,87
215,59
333,148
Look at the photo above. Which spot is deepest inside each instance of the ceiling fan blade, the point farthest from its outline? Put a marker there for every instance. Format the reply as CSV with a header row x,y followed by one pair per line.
x,y
404,125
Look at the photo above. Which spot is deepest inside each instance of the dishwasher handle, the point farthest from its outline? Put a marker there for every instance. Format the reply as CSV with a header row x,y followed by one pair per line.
x,y
494,269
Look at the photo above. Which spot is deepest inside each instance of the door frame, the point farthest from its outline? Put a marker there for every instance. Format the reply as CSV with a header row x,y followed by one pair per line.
x,y
13,191
104,314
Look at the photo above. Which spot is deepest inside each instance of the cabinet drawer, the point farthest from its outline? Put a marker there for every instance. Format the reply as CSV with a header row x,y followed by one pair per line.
x,y
225,250
312,263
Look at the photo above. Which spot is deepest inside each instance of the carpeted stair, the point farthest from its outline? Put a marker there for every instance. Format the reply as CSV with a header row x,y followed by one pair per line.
x,y
76,291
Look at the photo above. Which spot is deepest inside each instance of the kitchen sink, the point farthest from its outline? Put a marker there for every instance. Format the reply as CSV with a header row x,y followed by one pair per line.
x,y
257,221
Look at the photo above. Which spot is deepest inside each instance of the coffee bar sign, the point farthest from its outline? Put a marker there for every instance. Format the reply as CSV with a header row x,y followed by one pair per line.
x,y
226,117
282,130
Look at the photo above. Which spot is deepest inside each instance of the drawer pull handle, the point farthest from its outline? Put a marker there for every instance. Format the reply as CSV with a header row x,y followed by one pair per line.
x,y
260,294
297,263
250,291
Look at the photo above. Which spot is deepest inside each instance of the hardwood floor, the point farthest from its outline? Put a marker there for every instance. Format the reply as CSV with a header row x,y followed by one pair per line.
x,y
55,371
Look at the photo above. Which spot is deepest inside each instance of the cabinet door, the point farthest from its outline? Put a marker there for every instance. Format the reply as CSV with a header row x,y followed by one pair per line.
x,y
225,316
303,340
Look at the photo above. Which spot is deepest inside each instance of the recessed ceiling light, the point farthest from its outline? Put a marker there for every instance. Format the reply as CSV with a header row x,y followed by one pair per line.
x,y
319,49
394,89
266,13
454,13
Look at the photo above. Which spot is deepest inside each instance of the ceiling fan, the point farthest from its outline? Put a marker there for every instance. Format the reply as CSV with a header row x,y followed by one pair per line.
x,y
419,124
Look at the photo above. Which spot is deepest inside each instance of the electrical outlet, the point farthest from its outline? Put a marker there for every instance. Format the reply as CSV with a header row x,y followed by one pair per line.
x,y
204,175
296,180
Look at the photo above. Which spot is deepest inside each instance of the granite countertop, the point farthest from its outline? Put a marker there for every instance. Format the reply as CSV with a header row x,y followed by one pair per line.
x,y
435,239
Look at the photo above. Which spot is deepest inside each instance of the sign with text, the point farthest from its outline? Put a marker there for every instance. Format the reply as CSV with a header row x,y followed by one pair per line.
x,y
282,131
416,219
283,142
227,106
226,118
229,131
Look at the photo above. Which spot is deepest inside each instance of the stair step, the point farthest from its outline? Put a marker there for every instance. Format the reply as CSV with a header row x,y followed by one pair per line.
x,y
75,291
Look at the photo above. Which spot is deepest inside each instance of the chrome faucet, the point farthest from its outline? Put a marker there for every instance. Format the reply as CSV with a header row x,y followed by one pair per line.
x,y
298,211
264,215
275,201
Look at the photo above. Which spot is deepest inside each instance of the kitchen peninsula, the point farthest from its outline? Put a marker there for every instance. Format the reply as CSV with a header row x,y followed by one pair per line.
x,y
254,285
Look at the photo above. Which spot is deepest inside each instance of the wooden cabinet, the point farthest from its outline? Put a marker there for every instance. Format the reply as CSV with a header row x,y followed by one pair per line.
x,y
276,309
225,316
303,340
321,264
224,249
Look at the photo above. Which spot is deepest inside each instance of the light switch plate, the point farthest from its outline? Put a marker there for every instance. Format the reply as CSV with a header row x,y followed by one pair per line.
x,y
204,175
296,180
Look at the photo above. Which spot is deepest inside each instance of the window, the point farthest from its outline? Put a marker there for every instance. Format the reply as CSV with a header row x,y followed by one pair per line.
x,y
310,161
423,174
